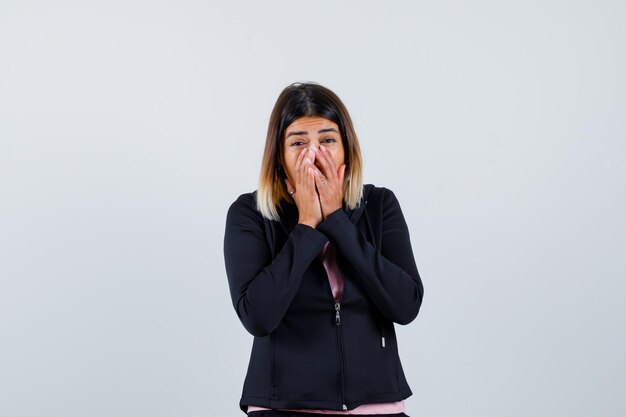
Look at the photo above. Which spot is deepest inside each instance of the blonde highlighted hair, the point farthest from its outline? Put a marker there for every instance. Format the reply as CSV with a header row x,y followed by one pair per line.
x,y
295,101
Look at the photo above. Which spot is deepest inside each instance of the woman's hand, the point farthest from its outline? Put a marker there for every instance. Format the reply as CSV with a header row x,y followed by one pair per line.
x,y
329,182
305,195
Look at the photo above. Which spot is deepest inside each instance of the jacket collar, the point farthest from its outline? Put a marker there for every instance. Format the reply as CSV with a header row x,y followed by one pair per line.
x,y
289,211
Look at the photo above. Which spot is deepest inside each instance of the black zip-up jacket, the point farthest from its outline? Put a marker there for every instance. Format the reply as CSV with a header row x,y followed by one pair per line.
x,y
309,352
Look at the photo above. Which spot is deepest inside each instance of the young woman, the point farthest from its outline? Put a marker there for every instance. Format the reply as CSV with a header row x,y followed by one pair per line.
x,y
320,267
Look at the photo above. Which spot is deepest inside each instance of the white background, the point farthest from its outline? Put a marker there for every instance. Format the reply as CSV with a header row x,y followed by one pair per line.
x,y
127,128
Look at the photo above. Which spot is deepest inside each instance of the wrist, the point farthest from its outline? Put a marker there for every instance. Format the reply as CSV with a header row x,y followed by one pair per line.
x,y
332,220
331,210
310,223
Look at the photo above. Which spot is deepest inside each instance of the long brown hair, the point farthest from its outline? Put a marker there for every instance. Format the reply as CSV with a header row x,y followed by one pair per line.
x,y
295,101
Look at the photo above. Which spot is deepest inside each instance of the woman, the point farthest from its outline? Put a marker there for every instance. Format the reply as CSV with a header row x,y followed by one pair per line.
x,y
320,266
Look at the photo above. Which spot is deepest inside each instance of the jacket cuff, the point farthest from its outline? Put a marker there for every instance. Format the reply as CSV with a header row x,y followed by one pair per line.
x,y
307,232
335,224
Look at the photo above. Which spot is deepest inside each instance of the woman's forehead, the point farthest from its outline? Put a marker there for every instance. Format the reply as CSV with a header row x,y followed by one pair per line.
x,y
310,124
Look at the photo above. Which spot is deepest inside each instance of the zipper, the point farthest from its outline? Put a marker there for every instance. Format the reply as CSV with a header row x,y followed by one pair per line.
x,y
340,350
337,311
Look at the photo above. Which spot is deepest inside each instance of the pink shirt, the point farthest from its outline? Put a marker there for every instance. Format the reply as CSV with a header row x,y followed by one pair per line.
x,y
372,409
328,257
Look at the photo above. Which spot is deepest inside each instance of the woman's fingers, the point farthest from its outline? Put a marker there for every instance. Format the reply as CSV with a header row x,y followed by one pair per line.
x,y
322,158
300,159
290,186
311,178
309,166
308,157
306,196
303,162
330,169
330,183
342,173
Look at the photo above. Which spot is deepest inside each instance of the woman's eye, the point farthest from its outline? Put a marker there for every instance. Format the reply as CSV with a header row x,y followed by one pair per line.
x,y
329,140
297,143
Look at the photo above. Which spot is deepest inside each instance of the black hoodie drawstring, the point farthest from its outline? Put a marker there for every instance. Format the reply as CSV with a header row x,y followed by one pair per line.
x,y
382,334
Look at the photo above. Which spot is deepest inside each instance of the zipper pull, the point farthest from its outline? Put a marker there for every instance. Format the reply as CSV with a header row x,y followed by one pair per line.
x,y
337,316
382,341
345,407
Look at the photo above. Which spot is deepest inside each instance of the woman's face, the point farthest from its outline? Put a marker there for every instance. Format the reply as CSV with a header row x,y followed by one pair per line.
x,y
311,132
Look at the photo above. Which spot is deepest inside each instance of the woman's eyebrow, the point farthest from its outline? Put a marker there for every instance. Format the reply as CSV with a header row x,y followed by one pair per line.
x,y
304,132
300,133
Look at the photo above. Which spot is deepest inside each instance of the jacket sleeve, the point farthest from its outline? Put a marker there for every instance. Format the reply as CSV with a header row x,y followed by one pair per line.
x,y
389,276
262,288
